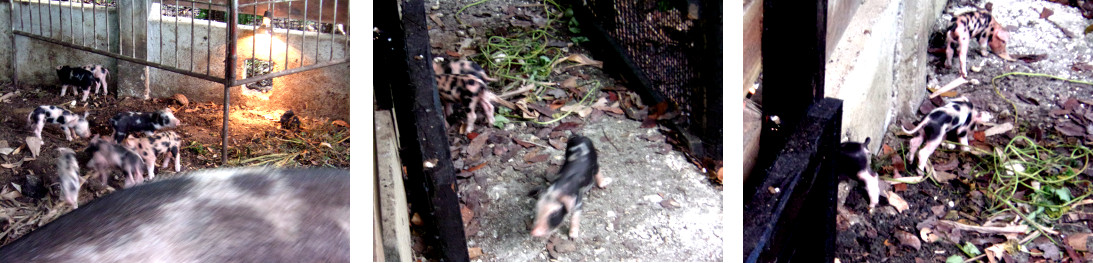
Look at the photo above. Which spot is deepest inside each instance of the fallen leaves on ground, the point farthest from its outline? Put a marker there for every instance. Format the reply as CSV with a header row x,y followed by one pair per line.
x,y
34,144
896,201
474,252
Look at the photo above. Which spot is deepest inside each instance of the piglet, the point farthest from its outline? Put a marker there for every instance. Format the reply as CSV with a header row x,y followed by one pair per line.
x,y
107,156
71,123
68,174
78,78
126,123
216,215
158,144
564,195
854,159
957,118
100,74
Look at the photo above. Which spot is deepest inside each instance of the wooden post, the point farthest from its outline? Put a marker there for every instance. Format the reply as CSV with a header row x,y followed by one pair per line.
x,y
430,183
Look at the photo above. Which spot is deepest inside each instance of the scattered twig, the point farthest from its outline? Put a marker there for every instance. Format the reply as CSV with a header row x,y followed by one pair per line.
x,y
1019,229
609,140
952,85
976,258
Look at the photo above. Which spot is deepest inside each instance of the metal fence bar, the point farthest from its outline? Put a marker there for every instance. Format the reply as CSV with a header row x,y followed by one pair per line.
x,y
159,21
288,34
253,39
177,7
333,27
83,25
229,75
289,72
303,37
95,25
319,32
121,57
14,46
193,17
49,12
71,29
41,24
209,39
269,31
268,2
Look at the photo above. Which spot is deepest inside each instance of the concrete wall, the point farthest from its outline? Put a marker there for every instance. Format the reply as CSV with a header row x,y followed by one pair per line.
x,y
323,92
878,66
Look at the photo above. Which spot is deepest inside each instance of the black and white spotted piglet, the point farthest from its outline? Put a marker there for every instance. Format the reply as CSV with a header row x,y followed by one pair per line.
x,y
564,195
107,156
78,78
68,174
100,74
854,159
221,215
957,118
126,123
464,83
158,144
71,123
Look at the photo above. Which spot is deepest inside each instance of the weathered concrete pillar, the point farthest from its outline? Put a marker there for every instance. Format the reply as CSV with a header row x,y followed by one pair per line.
x,y
6,39
133,28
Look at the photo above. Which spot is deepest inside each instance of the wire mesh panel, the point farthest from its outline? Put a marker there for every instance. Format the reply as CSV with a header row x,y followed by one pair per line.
x,y
674,47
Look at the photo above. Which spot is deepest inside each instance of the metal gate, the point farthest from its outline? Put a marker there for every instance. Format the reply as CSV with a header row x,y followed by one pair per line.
x,y
129,32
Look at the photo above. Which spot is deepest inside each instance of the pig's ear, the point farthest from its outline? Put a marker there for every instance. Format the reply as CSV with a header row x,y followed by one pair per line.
x,y
866,143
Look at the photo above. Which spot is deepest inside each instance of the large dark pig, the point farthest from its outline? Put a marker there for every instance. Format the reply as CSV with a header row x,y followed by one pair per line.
x,y
564,195
219,215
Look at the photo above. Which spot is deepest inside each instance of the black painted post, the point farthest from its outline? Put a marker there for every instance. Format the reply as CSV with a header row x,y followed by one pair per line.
x,y
424,142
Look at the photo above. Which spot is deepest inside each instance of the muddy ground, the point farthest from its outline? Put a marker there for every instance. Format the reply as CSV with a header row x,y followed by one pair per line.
x,y
1050,111
659,207
29,196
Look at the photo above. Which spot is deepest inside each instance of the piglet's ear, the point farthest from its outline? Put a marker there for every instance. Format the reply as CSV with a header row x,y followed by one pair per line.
x,y
866,143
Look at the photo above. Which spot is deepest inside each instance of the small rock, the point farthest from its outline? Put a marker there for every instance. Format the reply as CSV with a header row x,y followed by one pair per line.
x,y
461,33
472,31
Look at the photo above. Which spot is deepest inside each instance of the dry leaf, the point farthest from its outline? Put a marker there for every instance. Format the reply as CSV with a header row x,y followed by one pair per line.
x,y
908,239
581,60
1045,13
570,83
1079,241
477,143
474,252
1070,129
182,99
6,150
927,235
943,176
896,201
581,110
557,104
886,150
466,213
522,106
979,136
6,96
34,144
340,123
416,220
523,143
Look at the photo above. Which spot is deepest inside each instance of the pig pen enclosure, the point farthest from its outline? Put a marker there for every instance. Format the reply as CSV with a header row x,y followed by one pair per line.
x,y
1023,193
576,70
251,82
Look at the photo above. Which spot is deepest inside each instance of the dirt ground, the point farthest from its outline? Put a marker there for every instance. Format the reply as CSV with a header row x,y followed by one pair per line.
x,y
1048,110
660,206
29,196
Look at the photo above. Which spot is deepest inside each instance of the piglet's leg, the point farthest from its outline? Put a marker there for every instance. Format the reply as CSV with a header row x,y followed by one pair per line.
x,y
601,181
927,150
471,116
85,92
487,106
174,152
64,89
67,132
575,224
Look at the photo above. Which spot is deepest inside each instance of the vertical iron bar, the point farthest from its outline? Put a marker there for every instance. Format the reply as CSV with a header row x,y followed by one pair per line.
x,y
41,24
121,40
83,25
318,33
253,38
333,27
209,39
177,8
14,46
193,16
133,29
229,75
288,33
269,6
159,21
303,36
71,30
49,12
95,25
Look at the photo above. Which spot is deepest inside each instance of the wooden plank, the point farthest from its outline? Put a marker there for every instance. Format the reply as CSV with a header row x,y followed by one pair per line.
x,y
753,42
431,183
390,191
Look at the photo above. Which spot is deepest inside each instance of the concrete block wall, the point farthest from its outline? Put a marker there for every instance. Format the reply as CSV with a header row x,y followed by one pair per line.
x,y
321,93
878,66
